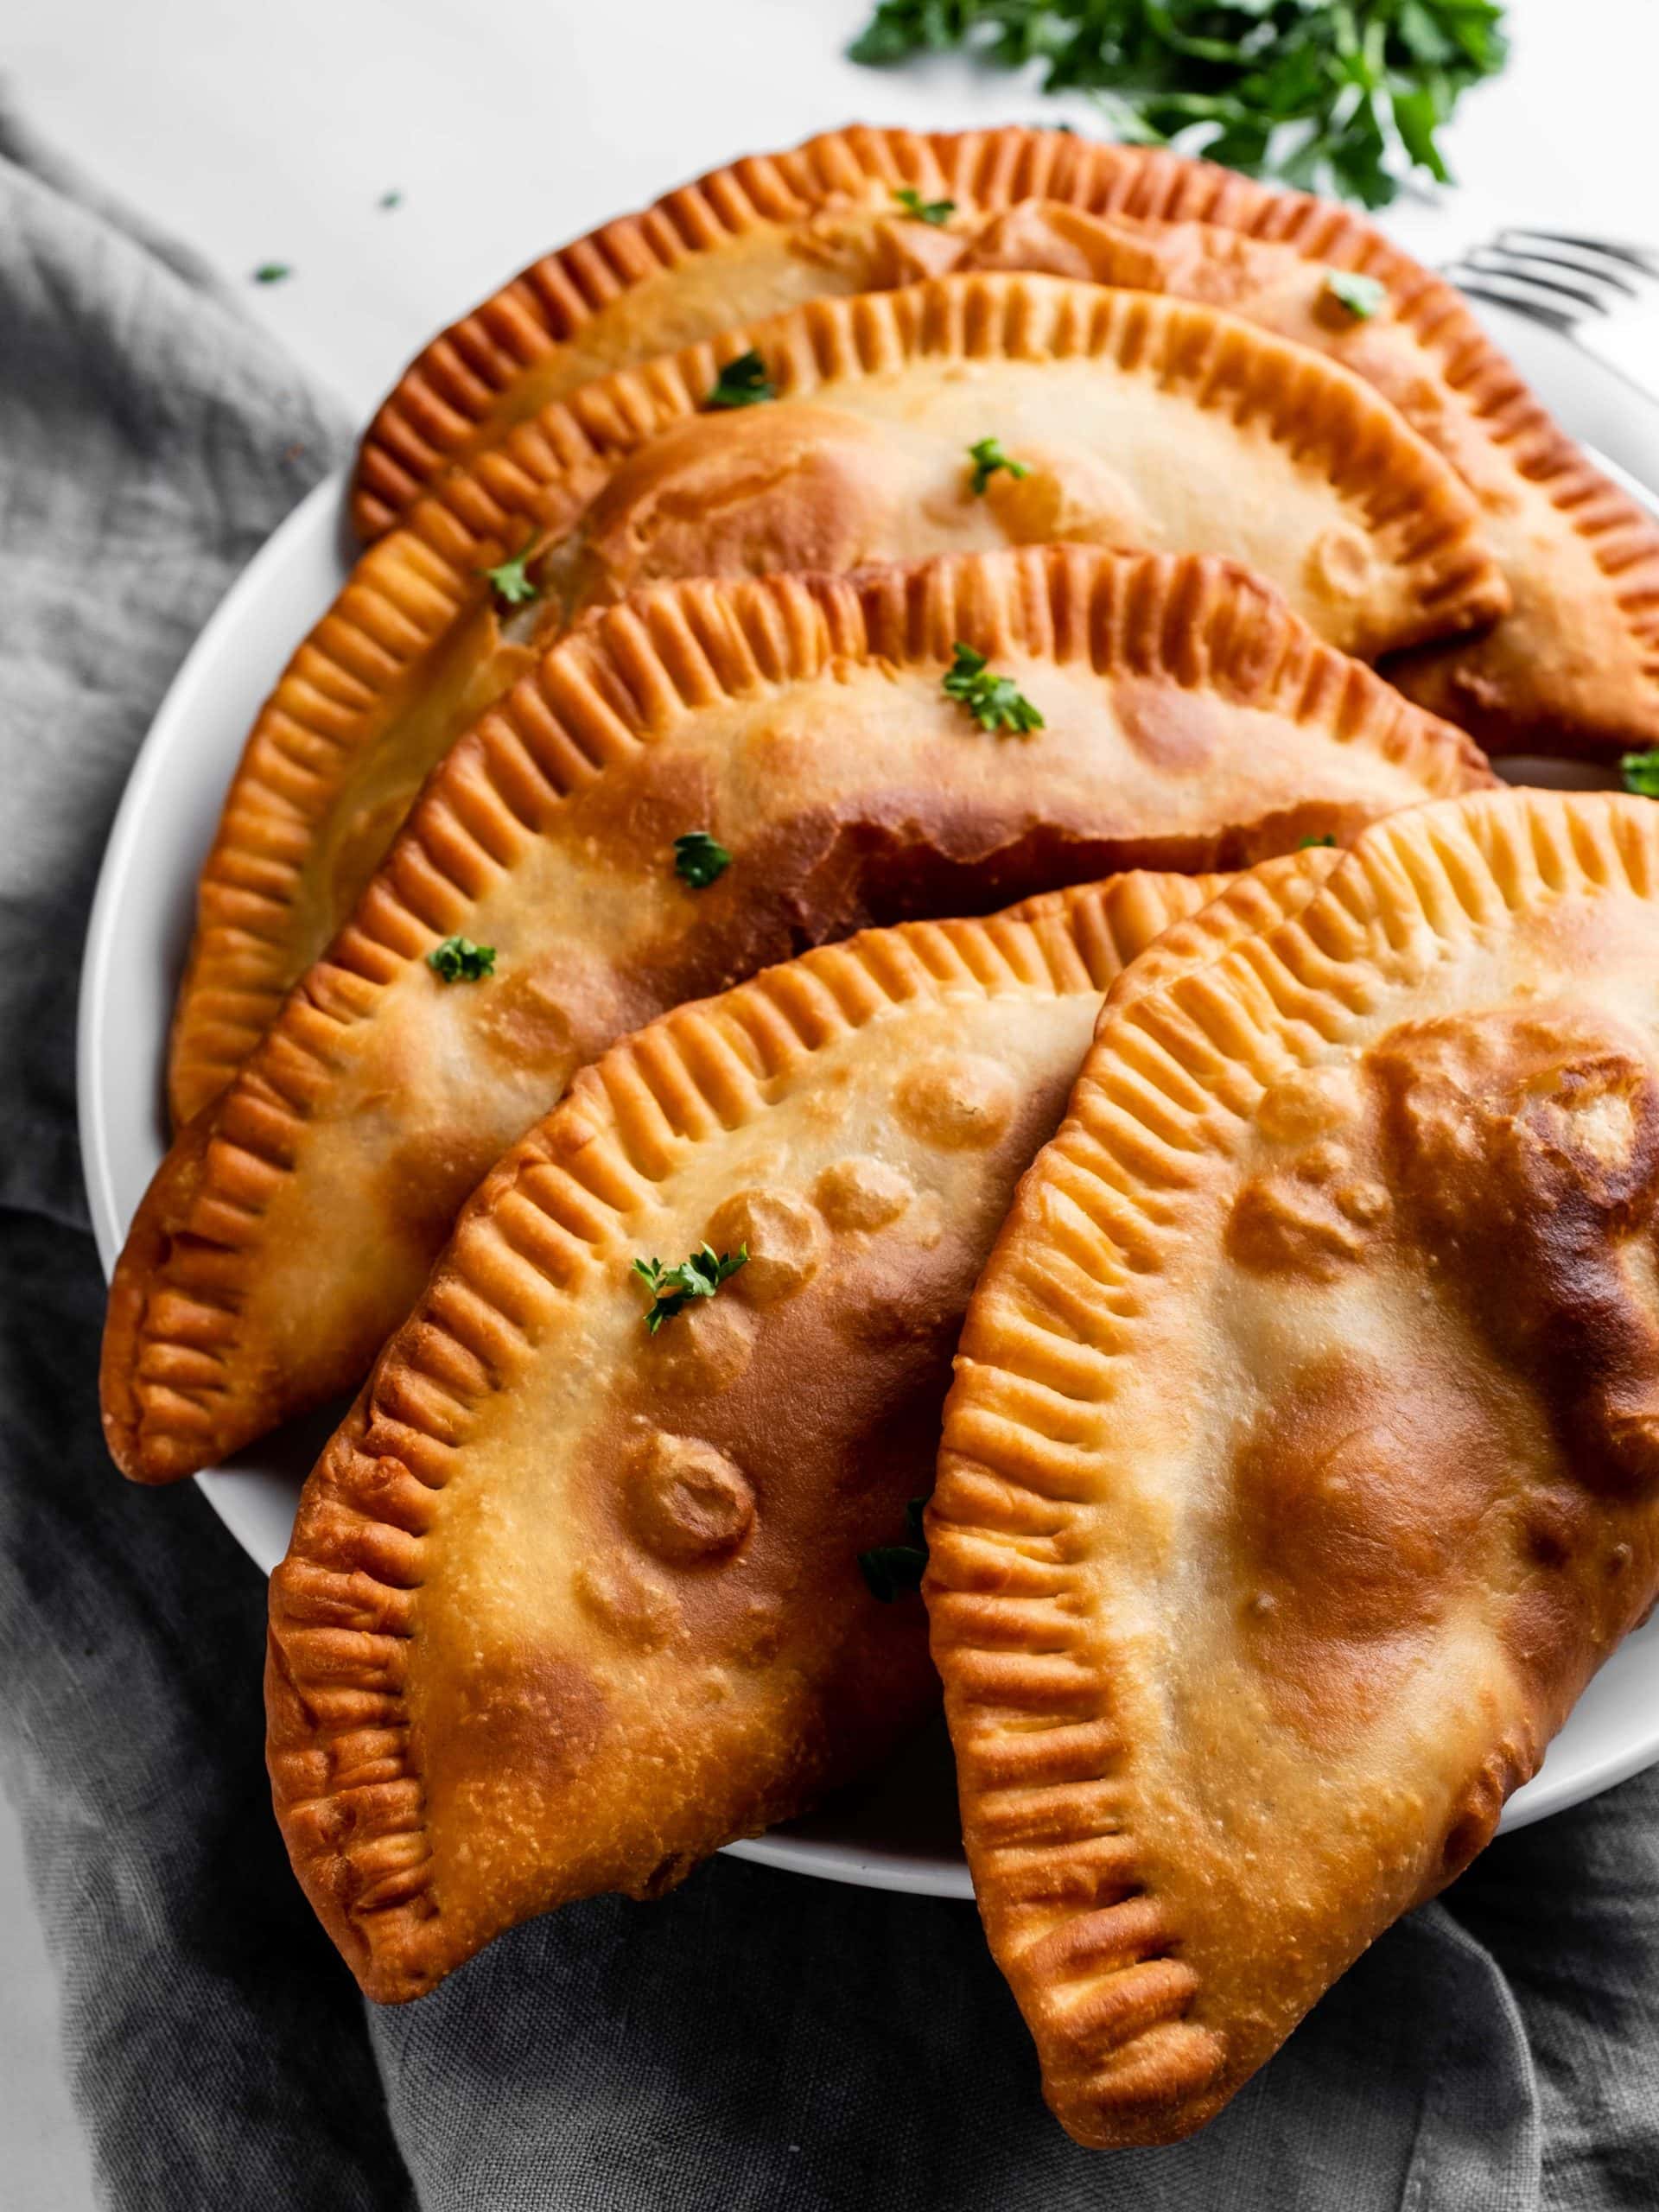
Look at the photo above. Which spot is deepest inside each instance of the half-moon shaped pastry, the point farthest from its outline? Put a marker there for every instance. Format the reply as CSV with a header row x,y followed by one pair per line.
x,y
569,1602
1573,666
813,731
1575,669
1134,421
1302,1461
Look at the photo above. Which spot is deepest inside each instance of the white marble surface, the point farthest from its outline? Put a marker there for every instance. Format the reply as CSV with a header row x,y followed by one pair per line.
x,y
271,134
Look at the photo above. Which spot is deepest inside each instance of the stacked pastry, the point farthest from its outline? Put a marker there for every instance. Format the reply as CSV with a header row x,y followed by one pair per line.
x,y
577,1058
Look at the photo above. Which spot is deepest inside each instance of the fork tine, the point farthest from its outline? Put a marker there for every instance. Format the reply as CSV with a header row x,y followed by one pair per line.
x,y
1506,292
1643,257
1622,277
1490,262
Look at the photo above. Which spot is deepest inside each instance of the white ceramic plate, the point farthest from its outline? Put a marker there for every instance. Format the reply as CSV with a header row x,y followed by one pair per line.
x,y
900,1832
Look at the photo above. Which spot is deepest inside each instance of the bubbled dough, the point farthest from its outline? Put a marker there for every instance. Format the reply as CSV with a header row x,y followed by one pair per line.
x,y
657,1532
877,468
1378,1413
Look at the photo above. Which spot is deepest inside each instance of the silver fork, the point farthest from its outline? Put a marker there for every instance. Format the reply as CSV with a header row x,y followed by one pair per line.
x,y
1602,293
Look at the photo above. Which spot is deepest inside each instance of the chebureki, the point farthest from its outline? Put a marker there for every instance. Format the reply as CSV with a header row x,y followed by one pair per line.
x,y
1134,421
1573,669
570,1603
1187,720
894,528
1302,1461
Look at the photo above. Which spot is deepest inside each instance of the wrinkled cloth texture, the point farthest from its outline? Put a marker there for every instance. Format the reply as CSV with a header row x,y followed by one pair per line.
x,y
755,2043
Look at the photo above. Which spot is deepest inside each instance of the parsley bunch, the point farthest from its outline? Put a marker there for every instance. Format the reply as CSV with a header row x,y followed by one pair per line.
x,y
700,1276
1331,95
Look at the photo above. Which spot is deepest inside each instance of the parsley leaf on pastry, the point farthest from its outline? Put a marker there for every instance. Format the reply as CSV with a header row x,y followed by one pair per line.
x,y
511,580
1363,296
894,1570
742,383
700,1276
988,456
700,859
458,960
995,703
936,212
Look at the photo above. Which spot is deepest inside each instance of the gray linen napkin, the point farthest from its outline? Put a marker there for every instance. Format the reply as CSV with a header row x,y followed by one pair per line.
x,y
755,2041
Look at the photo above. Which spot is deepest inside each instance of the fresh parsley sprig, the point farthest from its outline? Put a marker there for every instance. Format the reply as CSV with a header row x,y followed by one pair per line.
x,y
701,1276
1331,95
742,383
936,212
995,701
700,859
894,1570
988,457
1640,773
458,960
511,580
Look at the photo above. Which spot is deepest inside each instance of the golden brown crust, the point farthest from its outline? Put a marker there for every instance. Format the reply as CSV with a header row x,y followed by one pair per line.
x,y
1192,722
1253,902
1306,475
1579,678
691,1639
1300,1464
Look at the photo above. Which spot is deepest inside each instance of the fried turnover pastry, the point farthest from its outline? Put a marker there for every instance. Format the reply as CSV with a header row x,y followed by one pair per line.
x,y
1575,668
1302,1461
570,1605
1187,720
1137,421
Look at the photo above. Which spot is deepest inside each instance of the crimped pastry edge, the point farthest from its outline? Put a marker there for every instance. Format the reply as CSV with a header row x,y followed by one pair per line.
x,y
417,583
345,1602
1117,2014
594,698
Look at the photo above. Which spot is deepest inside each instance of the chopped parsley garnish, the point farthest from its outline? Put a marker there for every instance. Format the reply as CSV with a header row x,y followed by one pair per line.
x,y
1640,773
1342,95
272,272
988,457
894,1570
925,211
511,580
1363,296
699,859
995,701
700,1276
742,383
392,199
1306,844
458,960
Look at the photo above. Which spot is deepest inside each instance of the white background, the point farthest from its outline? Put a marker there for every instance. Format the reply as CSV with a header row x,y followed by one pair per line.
x,y
269,133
